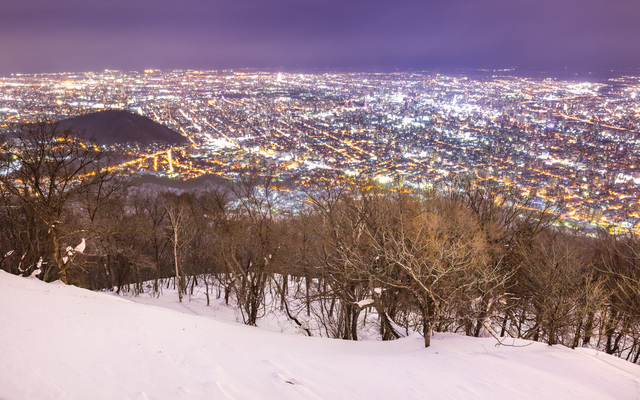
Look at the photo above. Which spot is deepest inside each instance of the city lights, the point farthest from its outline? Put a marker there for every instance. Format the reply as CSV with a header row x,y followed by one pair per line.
x,y
573,144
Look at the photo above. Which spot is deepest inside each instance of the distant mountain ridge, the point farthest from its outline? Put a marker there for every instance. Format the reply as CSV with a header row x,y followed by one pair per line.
x,y
120,126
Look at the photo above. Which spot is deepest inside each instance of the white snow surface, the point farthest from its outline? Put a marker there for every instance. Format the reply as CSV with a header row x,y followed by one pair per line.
x,y
365,302
62,342
80,248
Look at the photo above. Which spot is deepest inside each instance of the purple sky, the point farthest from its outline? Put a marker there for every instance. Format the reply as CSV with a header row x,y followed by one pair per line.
x,y
82,35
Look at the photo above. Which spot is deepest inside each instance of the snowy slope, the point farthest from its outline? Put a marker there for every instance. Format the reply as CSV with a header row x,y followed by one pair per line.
x,y
61,342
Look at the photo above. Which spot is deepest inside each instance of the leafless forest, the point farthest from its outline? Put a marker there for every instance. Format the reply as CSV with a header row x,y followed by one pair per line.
x,y
467,258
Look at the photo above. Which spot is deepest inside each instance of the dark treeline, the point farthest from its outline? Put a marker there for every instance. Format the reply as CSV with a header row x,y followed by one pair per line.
x,y
470,259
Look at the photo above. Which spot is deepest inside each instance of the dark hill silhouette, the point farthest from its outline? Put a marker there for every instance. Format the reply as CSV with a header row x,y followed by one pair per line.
x,y
119,126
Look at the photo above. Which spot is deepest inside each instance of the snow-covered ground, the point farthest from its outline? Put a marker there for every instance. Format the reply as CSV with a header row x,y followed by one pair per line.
x,y
62,342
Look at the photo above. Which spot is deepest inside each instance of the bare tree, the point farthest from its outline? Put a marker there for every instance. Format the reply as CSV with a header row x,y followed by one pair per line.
x,y
620,265
251,247
148,205
437,256
181,233
47,170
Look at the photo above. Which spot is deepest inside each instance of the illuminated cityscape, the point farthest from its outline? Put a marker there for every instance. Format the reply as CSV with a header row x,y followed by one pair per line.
x,y
566,143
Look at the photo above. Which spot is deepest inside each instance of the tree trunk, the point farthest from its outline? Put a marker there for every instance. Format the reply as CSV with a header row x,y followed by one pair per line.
x,y
284,291
175,261
426,331
588,329
387,330
206,288
427,322
576,338
62,268
552,334
503,329
354,323
307,294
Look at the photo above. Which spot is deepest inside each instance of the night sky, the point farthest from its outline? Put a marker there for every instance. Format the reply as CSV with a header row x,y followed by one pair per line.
x,y
87,35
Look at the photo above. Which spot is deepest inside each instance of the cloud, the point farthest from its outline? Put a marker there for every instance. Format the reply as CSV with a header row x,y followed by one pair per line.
x,y
78,34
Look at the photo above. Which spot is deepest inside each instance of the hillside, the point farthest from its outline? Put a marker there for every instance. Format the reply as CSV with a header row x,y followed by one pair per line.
x,y
119,126
64,342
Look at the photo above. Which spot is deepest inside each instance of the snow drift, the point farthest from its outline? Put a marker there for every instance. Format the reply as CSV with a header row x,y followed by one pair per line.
x,y
62,342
